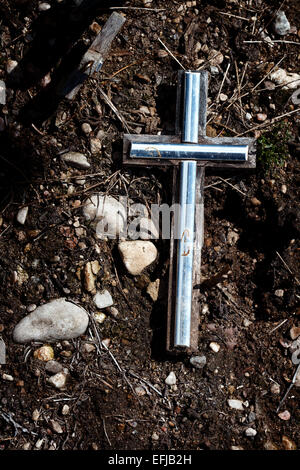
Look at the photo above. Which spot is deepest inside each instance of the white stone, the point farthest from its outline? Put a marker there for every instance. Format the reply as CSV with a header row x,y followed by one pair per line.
x,y
76,159
215,57
86,128
7,377
153,289
279,293
288,80
44,6
22,215
2,92
215,347
137,255
56,426
107,213
65,410
11,65
58,380
250,432
171,379
58,319
235,404
103,299
281,24
95,145
198,361
53,367
100,317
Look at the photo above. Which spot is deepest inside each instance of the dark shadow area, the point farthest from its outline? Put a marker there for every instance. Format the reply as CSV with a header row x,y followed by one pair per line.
x,y
166,107
56,32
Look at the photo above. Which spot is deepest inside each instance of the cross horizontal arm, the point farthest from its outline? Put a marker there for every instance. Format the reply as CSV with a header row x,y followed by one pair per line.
x,y
189,151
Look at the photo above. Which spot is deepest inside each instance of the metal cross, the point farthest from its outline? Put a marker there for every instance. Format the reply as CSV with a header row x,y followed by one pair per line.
x,y
192,151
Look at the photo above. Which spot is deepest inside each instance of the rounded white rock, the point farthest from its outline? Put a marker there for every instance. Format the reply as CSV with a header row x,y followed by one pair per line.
x,y
137,255
108,213
171,379
281,24
76,159
58,319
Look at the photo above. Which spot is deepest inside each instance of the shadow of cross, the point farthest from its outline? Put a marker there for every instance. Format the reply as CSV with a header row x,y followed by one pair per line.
x,y
190,151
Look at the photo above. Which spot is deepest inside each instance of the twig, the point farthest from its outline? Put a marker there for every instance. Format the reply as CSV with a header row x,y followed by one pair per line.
x,y
272,121
137,8
104,429
172,55
287,267
289,388
234,16
232,186
273,40
114,109
224,78
278,326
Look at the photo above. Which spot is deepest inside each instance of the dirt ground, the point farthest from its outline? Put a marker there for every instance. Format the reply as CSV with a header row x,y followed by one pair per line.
x,y
251,247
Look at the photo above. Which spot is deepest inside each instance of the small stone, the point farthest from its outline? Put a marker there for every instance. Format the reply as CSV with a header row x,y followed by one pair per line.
x,y
171,379
215,347
2,92
281,24
95,27
21,215
100,317
95,267
214,70
58,380
153,289
89,347
198,361
279,293
7,377
89,278
113,312
44,6
285,415
140,391
95,145
56,426
255,201
155,436
288,80
232,237
261,117
65,410
53,367
275,389
284,189
103,299
223,97
76,159
46,80
294,332
288,444
235,404
86,128
250,432
45,354
35,415
26,446
248,116
215,57
31,308
137,255
11,65
108,214
52,321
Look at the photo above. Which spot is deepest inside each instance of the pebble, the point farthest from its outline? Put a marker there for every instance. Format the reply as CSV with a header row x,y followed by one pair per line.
x,y
46,80
53,367
76,159
31,308
281,24
95,145
7,377
215,57
275,389
52,321
113,312
214,70
86,128
65,410
284,189
22,215
2,92
294,332
56,426
235,404
255,201
261,117
288,80
198,361
153,289
103,299
45,354
248,116
250,432
11,65
100,317
44,6
223,97
108,213
279,293
232,237
89,347
285,415
140,391
288,444
171,379
215,347
137,255
155,436
35,415
2,352
58,380
89,278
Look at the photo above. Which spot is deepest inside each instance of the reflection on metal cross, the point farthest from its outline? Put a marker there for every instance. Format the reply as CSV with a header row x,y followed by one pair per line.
x,y
190,154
